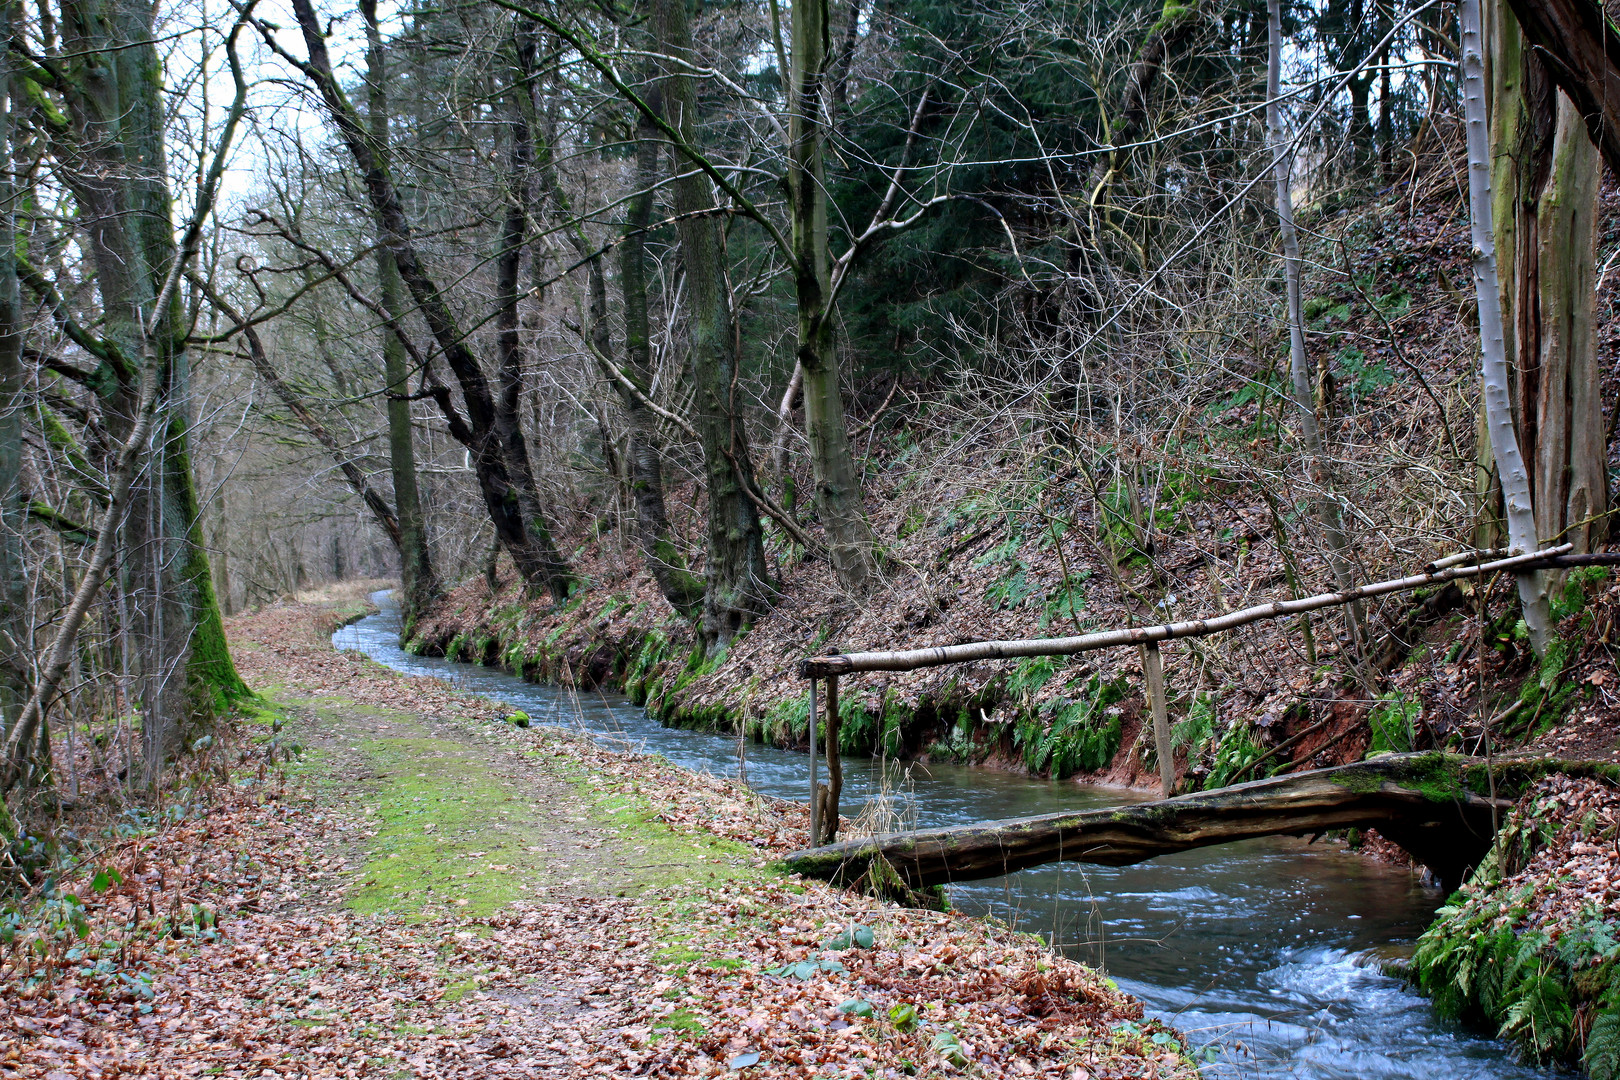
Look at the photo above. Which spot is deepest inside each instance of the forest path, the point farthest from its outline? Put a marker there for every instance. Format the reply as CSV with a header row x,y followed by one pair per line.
x,y
448,815
383,879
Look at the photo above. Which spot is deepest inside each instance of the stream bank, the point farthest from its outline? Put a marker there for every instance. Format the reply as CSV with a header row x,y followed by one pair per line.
x,y
1075,717
1530,946
1273,949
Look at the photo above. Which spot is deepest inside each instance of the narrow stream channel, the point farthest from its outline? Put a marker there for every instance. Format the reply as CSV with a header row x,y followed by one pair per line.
x,y
1267,949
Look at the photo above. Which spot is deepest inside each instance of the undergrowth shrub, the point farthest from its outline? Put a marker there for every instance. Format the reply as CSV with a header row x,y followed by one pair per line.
x,y
1555,995
1236,752
1067,735
1394,724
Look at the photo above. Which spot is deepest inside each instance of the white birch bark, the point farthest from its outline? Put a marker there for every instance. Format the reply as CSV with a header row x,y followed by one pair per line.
x,y
1516,501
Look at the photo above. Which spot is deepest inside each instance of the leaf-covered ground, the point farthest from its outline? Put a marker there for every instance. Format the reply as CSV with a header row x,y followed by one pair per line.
x,y
376,877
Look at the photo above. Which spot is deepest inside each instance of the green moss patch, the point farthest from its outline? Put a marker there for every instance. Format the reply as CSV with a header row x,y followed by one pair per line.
x,y
446,832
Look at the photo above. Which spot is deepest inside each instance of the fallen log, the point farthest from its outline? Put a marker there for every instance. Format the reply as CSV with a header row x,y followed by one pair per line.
x,y
1426,803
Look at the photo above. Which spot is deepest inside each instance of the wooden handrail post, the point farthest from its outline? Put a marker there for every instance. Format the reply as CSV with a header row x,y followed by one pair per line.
x,y
1153,668
815,824
835,766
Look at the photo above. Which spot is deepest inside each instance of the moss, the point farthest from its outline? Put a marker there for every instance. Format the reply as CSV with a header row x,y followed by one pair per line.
x,y
677,954
452,651
448,832
681,1022
456,990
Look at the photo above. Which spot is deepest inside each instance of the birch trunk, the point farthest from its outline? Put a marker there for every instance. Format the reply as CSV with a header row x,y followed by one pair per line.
x,y
1515,479
1327,511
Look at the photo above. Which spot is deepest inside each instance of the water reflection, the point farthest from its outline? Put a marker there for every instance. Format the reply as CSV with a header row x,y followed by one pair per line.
x,y
1265,948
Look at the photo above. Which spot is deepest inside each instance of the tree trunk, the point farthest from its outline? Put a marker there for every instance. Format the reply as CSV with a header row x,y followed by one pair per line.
x,y
1583,49
526,541
1327,510
682,588
1514,477
738,587
15,639
120,184
514,237
838,485
1544,200
418,582
1560,404
1394,793
832,791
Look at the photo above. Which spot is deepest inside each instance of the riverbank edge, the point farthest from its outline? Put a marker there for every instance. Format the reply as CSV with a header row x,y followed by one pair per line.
x,y
1526,950
610,643
655,666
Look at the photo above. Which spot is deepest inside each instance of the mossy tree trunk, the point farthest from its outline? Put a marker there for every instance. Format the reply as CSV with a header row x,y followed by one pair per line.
x,y
838,484
682,588
738,588
120,184
417,579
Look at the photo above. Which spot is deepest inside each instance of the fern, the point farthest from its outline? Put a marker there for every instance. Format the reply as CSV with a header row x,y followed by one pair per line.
x,y
1590,939
1196,730
1392,724
1540,1018
1030,736
1602,1057
1069,735
1031,674
1236,752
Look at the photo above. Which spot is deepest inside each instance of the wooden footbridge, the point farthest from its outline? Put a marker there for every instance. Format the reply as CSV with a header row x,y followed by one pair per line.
x,y
1426,803
1422,802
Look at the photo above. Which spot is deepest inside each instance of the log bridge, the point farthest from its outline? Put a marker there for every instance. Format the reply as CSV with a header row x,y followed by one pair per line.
x,y
1299,804
1427,803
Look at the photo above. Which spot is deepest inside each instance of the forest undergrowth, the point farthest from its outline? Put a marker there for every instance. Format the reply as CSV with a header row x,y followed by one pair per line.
x,y
371,875
1029,525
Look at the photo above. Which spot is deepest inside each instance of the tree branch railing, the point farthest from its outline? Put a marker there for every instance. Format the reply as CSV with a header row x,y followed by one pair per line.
x,y
1436,573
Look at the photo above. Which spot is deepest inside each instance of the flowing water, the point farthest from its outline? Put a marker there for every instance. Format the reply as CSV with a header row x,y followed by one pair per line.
x,y
1269,950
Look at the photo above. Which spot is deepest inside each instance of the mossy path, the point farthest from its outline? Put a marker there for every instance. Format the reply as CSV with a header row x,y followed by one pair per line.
x,y
457,817
392,882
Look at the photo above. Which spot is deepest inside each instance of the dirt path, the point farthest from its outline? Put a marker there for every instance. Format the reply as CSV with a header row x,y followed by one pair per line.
x,y
375,877
452,816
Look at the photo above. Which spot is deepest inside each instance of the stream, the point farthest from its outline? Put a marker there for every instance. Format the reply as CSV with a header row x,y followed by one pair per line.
x,y
1268,950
